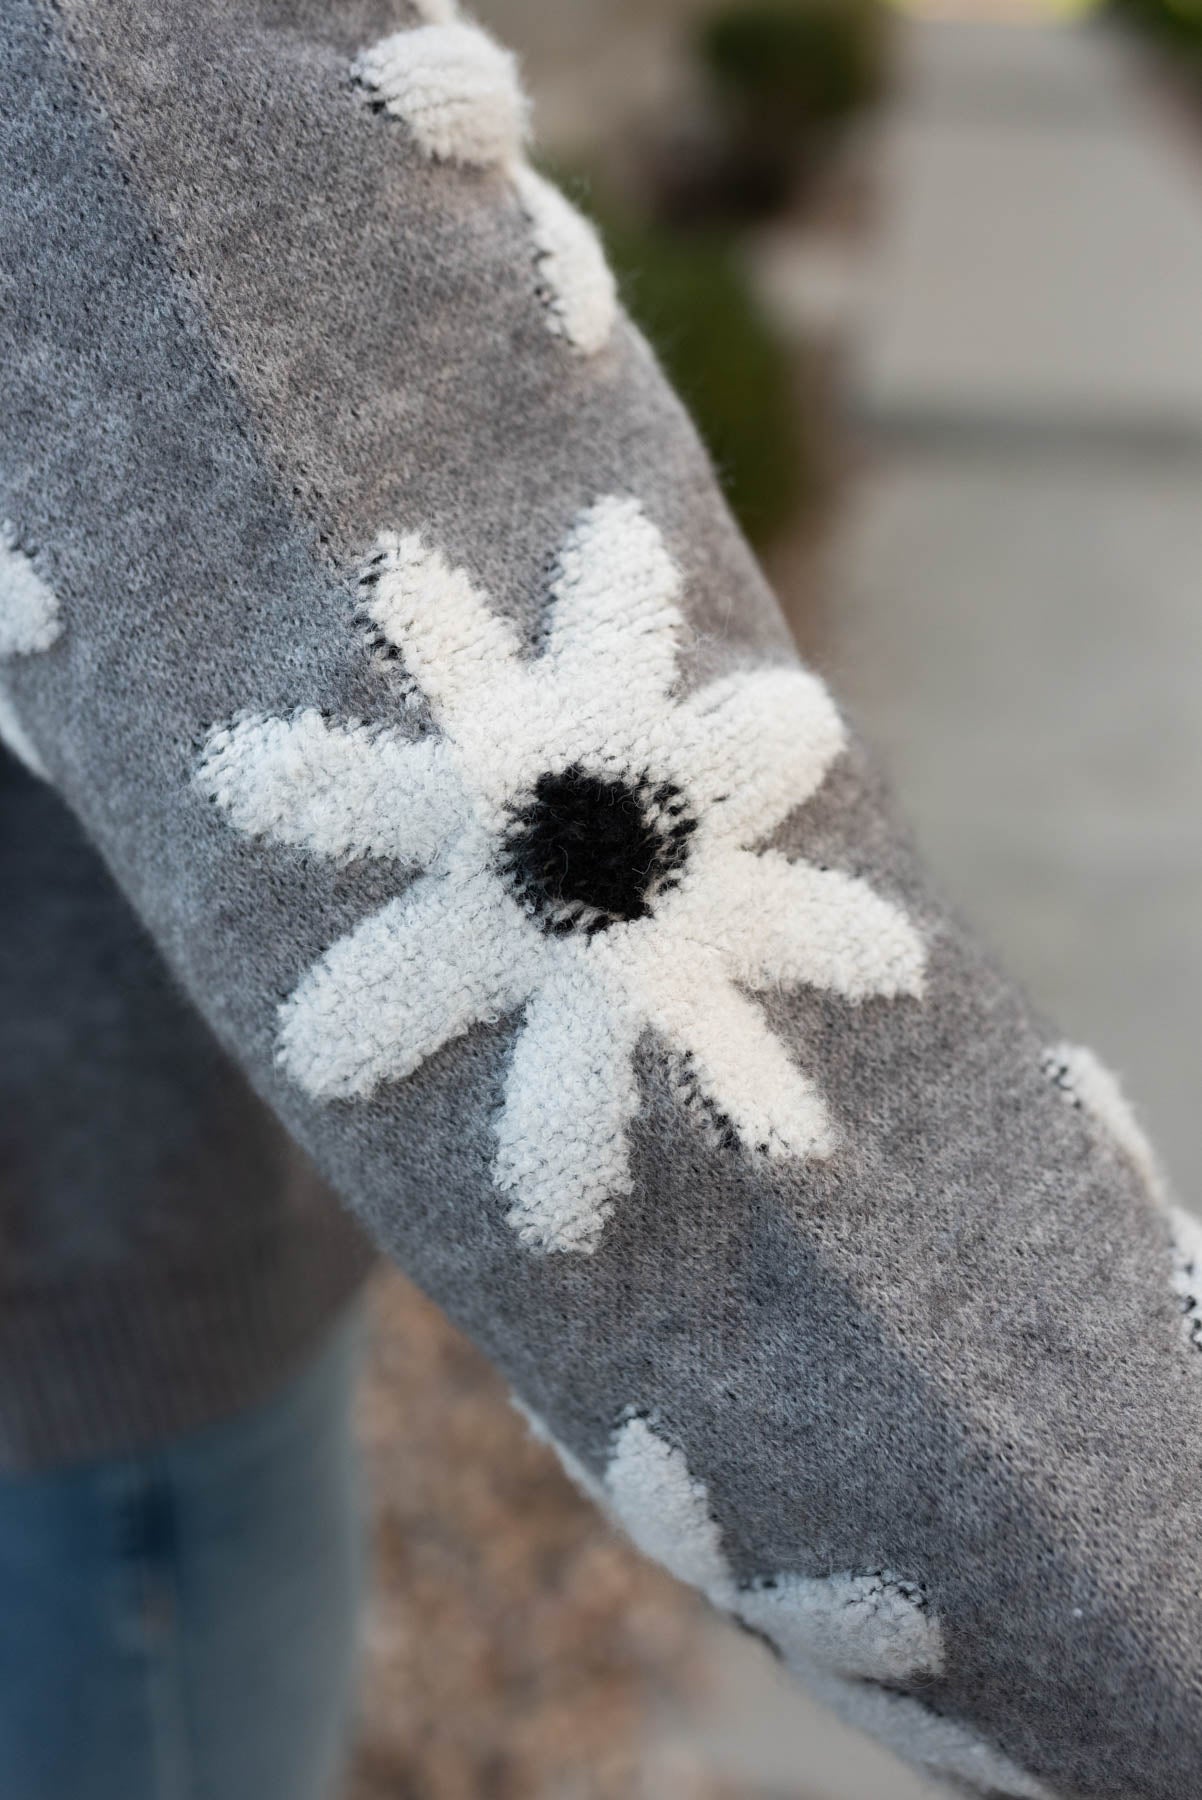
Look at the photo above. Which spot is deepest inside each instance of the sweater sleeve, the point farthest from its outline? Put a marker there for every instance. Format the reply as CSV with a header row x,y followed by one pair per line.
x,y
366,593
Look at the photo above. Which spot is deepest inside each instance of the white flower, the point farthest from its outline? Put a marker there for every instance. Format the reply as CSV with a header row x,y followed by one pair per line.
x,y
30,622
460,96
853,1638
1186,1251
457,90
587,846
871,1625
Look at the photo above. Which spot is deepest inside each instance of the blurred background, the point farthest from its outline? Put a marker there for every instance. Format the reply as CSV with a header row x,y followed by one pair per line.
x,y
931,282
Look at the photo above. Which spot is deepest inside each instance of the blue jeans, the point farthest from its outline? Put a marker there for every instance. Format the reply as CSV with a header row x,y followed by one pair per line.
x,y
181,1624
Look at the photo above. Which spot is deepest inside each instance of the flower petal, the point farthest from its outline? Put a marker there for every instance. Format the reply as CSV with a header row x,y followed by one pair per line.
x,y
755,746
737,1062
1186,1246
451,951
576,283
871,1626
340,790
664,1510
614,624
29,611
569,1096
777,921
455,647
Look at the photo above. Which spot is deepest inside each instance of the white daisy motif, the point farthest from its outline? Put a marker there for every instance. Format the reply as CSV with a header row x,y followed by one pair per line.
x,y
854,1638
460,95
576,1472
1186,1244
29,623
588,848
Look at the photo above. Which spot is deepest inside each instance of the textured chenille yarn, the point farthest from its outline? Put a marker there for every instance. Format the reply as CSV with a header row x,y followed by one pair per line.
x,y
409,674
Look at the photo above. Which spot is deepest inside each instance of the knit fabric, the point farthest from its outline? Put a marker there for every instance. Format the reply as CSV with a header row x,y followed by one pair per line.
x,y
600,983
166,1254
617,821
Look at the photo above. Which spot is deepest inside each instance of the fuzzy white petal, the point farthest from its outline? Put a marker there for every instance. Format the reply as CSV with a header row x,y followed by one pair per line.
x,y
1187,1270
1086,1082
29,612
737,1062
448,953
755,746
614,625
871,1626
569,1095
714,773
339,790
456,89
663,1510
462,653
827,1630
14,735
786,923
580,291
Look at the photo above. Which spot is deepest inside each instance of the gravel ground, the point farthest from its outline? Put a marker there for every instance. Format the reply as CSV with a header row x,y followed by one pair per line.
x,y
515,1650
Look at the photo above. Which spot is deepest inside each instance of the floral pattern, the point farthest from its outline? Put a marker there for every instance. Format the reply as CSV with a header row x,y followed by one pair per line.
x,y
587,843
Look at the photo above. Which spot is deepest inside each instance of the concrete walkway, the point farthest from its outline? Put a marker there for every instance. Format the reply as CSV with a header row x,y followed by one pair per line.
x,y
1016,605
1016,592
1018,587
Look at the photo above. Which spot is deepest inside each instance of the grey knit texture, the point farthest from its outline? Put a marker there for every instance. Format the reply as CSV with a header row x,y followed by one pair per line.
x,y
248,324
166,1254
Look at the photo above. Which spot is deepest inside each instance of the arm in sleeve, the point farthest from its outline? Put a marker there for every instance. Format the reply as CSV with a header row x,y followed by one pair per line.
x,y
366,593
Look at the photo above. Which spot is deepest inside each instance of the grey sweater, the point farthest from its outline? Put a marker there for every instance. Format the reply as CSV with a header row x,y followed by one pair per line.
x,y
165,1251
368,598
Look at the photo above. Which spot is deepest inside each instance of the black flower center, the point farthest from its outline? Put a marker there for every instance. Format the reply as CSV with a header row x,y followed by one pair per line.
x,y
584,851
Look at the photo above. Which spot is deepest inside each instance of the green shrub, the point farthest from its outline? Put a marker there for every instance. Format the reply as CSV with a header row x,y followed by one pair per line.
x,y
1177,23
787,66
741,383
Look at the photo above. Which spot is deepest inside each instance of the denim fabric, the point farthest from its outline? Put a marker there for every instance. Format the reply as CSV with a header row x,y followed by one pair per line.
x,y
181,1625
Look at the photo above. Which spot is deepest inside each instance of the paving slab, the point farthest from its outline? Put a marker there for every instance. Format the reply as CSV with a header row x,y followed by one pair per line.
x,y
1041,251
1018,584
1023,639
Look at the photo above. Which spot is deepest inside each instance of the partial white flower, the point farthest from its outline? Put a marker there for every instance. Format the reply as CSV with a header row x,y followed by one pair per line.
x,y
850,1637
1187,1270
664,1512
29,623
576,1472
1090,1086
871,1625
588,848
29,613
460,95
576,283
457,90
